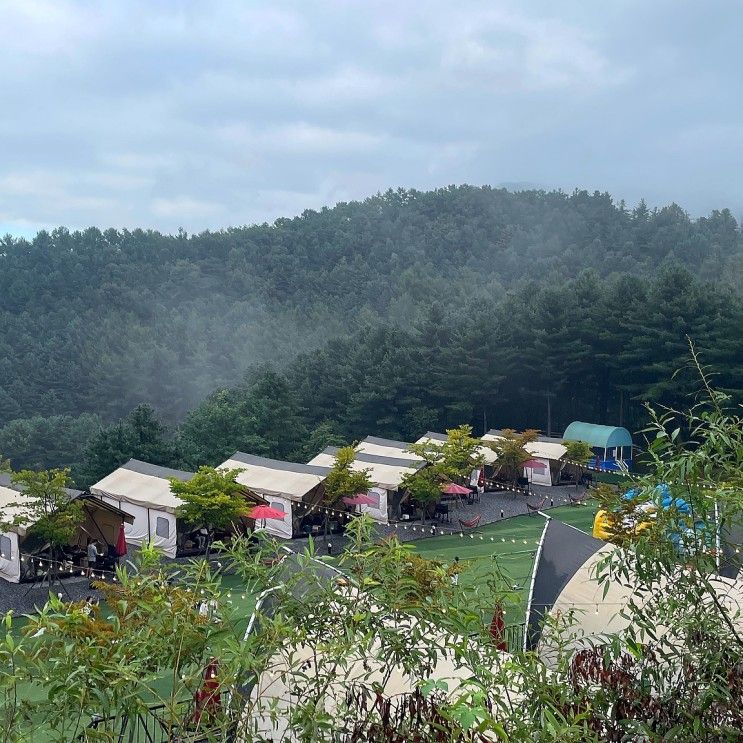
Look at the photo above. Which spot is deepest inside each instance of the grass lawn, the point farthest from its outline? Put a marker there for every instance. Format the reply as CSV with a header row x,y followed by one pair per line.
x,y
512,542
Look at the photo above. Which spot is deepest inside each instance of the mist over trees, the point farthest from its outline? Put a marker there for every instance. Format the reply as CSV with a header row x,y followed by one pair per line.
x,y
404,312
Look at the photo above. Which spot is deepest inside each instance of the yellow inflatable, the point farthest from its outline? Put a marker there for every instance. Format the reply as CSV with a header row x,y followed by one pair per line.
x,y
600,526
607,525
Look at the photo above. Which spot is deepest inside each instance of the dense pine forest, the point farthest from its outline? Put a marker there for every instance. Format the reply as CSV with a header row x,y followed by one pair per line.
x,y
404,312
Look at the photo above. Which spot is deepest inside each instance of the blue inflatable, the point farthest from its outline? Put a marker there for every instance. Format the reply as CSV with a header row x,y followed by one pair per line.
x,y
685,532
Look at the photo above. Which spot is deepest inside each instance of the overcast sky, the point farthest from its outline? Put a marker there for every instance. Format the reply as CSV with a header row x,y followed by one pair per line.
x,y
210,114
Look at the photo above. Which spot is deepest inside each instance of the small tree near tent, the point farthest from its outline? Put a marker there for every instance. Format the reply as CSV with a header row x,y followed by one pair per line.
x,y
212,499
511,451
450,460
459,454
578,454
424,488
454,458
342,481
45,508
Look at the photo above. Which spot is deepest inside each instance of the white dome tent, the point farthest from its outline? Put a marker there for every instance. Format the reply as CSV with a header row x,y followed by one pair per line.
x,y
565,581
271,698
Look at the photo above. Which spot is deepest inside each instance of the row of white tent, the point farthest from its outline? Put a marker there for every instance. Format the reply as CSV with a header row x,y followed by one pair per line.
x,y
143,490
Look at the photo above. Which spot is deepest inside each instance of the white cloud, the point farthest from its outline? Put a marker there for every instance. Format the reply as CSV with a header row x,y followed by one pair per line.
x,y
185,208
505,50
133,113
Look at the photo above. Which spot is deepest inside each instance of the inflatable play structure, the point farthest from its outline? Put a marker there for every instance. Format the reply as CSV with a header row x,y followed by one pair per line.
x,y
640,514
611,445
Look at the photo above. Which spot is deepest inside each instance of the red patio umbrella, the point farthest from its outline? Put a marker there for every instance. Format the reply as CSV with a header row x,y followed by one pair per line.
x,y
261,513
534,464
121,542
454,489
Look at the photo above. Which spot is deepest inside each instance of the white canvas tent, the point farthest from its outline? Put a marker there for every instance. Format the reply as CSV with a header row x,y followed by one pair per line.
x,y
272,697
599,610
565,581
10,558
280,483
101,522
385,472
143,490
549,452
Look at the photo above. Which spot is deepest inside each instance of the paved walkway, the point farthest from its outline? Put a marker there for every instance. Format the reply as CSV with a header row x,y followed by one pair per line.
x,y
493,506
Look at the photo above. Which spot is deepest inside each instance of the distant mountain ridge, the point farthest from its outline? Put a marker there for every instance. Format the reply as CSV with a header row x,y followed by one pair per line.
x,y
97,322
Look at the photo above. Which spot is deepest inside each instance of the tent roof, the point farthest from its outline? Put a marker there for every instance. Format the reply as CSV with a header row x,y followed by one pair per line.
x,y
498,432
487,453
387,448
275,477
599,436
271,713
389,443
6,481
385,472
599,606
11,502
142,484
11,507
431,436
539,449
155,470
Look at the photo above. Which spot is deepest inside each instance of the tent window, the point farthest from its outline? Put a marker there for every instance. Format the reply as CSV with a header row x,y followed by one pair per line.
x,y
279,507
6,548
375,497
162,528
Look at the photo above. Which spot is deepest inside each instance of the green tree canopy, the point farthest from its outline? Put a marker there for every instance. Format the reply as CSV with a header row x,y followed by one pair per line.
x,y
211,498
511,451
45,507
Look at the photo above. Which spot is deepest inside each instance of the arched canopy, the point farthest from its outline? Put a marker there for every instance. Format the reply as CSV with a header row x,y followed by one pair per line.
x,y
604,437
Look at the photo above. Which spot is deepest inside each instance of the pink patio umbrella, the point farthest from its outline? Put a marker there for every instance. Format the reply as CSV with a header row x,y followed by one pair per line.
x,y
534,464
265,512
360,499
452,488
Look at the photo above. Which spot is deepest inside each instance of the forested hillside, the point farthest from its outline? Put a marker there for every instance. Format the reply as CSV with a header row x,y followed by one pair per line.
x,y
404,311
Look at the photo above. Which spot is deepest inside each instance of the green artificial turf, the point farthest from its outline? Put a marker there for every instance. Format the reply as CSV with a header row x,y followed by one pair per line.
x,y
512,543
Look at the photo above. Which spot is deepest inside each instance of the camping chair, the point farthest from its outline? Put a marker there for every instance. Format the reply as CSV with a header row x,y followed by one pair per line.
x,y
578,499
534,505
470,524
